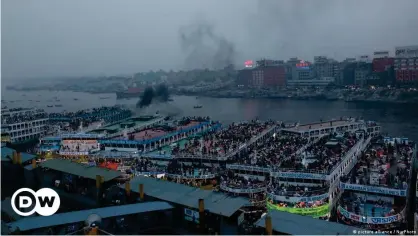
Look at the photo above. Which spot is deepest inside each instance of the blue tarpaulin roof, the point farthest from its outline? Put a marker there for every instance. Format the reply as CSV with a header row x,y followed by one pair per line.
x,y
37,222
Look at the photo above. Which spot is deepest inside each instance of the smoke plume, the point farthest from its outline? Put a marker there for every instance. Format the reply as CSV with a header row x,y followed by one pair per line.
x,y
160,93
204,48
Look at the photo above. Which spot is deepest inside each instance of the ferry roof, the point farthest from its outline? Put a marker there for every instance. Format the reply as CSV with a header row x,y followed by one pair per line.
x,y
324,125
217,203
29,223
82,170
136,120
295,224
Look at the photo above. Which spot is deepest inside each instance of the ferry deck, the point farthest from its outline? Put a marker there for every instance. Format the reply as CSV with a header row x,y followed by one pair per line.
x,y
375,191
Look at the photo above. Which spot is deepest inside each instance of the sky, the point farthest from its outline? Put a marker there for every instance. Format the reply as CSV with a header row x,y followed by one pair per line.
x,y
49,38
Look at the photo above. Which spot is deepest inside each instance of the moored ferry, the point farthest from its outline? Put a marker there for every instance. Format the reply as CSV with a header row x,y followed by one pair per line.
x,y
375,192
24,124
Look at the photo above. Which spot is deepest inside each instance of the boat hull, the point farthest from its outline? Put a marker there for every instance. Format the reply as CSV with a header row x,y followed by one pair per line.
x,y
122,95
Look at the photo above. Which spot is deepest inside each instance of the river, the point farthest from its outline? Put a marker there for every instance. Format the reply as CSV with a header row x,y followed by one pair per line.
x,y
397,120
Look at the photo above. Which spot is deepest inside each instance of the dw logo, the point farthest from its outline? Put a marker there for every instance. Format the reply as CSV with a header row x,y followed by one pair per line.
x,y
45,202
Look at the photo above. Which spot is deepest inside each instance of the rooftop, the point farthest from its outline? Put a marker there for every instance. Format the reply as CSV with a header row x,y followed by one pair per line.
x,y
7,155
29,223
288,223
139,121
217,203
82,170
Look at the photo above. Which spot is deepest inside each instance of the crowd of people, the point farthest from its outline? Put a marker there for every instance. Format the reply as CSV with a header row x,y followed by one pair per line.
x,y
273,151
234,181
324,154
280,189
214,144
23,116
190,171
106,114
383,164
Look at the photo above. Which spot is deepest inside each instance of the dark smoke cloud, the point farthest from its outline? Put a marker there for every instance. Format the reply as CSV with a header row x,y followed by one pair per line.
x,y
150,94
204,48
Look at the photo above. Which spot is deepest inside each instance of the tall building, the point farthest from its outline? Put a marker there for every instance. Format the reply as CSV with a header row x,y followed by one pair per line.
x,y
381,61
406,64
244,77
362,73
325,67
268,73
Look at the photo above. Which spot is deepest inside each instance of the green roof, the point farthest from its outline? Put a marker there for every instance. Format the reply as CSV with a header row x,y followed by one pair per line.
x,y
78,169
7,155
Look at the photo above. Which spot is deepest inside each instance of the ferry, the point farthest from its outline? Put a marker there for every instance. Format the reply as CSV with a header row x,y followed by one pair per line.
x,y
24,124
374,194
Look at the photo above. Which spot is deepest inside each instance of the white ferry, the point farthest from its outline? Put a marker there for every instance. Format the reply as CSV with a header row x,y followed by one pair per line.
x,y
374,194
303,164
24,124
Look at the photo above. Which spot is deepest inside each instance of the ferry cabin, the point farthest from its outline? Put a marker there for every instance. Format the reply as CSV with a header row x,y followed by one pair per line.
x,y
79,144
374,195
329,127
50,145
152,144
24,130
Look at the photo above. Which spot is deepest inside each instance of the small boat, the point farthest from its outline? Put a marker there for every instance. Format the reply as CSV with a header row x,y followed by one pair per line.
x,y
104,97
75,99
59,105
197,106
50,106
170,99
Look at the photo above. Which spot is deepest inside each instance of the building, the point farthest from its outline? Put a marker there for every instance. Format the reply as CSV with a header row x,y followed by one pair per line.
x,y
244,77
325,67
268,76
406,64
267,73
382,62
362,73
303,70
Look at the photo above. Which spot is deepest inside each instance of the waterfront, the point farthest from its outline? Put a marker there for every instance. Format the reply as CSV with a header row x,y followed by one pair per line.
x,y
398,120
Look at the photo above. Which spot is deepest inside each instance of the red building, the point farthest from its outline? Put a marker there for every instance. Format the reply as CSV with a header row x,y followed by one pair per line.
x,y
268,76
382,64
406,64
406,69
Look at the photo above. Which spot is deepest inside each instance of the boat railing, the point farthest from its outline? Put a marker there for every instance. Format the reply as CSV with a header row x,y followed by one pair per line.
x,y
177,176
322,172
310,193
226,188
248,168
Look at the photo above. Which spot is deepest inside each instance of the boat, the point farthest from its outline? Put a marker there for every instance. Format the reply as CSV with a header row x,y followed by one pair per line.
x,y
75,99
198,106
170,99
58,105
50,106
26,133
132,92
104,97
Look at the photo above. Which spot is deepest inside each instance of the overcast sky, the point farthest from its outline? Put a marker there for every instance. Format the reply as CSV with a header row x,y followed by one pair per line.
x,y
47,38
